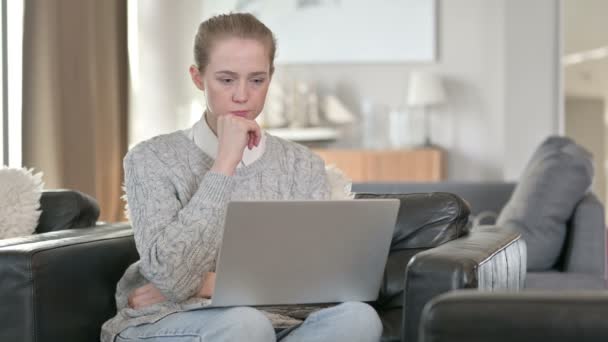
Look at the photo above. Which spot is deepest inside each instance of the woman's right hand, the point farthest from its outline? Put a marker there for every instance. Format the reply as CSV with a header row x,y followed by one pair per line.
x,y
208,286
148,294
234,133
145,296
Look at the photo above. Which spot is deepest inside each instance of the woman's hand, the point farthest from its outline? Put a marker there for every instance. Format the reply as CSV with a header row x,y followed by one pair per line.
x,y
206,290
145,296
149,294
234,133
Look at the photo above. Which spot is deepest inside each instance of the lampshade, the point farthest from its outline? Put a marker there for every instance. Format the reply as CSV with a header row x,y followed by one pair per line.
x,y
425,89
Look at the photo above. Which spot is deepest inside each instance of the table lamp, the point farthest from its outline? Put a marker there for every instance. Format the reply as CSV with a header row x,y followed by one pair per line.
x,y
425,91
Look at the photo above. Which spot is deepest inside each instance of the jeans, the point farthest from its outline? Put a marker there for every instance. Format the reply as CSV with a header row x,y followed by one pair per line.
x,y
351,321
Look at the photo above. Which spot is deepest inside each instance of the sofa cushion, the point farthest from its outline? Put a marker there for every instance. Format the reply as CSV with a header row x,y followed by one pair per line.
x,y
564,281
66,209
556,178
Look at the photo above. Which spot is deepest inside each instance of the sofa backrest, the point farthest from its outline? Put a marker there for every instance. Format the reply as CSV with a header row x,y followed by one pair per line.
x,y
585,247
481,196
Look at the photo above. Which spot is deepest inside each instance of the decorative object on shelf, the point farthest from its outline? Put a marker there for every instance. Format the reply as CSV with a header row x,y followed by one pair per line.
x,y
312,106
425,92
305,134
295,112
274,109
402,130
297,106
374,125
335,111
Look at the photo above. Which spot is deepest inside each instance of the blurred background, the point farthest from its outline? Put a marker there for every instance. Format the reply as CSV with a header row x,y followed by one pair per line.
x,y
430,90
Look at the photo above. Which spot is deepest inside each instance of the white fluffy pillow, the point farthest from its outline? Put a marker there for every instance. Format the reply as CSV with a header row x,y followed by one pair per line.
x,y
340,184
20,192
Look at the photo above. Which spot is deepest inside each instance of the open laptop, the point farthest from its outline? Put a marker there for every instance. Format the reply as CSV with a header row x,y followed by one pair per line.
x,y
299,252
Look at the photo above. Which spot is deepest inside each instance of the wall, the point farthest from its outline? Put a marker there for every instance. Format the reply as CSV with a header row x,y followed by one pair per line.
x,y
470,60
533,100
498,58
161,89
585,124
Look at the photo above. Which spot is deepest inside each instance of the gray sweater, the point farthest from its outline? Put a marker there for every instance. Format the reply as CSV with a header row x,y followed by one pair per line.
x,y
177,208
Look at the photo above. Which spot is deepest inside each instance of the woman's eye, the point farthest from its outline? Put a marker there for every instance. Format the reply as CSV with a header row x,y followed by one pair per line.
x,y
226,80
258,80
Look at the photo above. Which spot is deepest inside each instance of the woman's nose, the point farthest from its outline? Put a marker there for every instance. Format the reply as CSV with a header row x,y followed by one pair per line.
x,y
240,93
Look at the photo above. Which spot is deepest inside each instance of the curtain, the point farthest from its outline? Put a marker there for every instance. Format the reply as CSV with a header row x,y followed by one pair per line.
x,y
75,93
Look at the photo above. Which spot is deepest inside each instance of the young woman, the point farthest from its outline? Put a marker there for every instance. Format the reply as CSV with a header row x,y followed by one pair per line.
x,y
178,186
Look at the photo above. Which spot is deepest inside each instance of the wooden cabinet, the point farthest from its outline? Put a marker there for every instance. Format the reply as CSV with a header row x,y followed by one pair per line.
x,y
422,164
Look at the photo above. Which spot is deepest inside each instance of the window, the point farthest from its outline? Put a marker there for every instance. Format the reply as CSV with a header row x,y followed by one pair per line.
x,y
11,59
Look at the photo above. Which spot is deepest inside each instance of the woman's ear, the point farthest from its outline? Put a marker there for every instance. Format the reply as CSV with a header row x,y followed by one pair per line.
x,y
197,78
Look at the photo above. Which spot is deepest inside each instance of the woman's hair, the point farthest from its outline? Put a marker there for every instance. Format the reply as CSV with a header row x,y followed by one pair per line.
x,y
239,25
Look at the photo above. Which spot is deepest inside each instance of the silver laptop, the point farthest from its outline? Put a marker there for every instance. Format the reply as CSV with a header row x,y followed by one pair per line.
x,y
299,252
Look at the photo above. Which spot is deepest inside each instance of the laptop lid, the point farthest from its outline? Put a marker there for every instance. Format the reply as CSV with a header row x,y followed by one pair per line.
x,y
299,252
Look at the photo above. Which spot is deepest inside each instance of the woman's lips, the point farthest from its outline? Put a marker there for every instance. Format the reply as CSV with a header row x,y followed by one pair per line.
x,y
241,113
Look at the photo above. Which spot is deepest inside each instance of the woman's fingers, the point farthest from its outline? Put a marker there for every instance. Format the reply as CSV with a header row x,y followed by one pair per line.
x,y
148,299
144,289
253,133
145,296
208,285
256,132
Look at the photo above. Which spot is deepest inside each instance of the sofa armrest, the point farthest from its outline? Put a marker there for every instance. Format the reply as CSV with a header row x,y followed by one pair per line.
x,y
488,258
472,316
62,234
585,250
62,289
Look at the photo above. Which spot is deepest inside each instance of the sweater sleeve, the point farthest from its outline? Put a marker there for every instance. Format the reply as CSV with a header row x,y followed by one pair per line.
x,y
319,183
176,243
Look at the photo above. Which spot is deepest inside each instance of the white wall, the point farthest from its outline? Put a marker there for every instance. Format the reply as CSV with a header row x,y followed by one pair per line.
x,y
532,84
161,89
498,58
585,123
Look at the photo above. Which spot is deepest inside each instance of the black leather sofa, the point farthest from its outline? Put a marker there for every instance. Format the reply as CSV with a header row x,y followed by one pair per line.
x,y
59,285
582,264
528,316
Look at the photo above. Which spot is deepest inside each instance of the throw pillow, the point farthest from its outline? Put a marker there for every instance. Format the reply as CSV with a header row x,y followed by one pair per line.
x,y
20,192
340,184
556,178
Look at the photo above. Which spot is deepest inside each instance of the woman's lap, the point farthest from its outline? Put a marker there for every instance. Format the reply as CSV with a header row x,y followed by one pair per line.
x,y
218,324
345,322
351,321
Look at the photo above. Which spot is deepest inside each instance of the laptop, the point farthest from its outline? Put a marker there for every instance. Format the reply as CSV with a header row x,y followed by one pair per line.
x,y
303,252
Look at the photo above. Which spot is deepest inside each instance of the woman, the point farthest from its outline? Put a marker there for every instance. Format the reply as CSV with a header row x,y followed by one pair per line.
x,y
178,186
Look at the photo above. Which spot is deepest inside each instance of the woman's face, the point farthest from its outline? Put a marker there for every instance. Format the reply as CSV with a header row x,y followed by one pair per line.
x,y
235,80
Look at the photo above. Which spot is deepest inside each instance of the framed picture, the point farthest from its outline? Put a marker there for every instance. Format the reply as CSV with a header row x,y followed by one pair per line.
x,y
343,31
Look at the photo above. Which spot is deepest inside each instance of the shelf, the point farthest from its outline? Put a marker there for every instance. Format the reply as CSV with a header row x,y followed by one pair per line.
x,y
305,134
416,165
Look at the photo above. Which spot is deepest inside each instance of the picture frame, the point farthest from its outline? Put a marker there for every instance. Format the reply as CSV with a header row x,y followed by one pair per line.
x,y
343,31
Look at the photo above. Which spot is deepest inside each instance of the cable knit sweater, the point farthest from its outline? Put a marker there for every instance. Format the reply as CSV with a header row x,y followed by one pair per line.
x,y
177,208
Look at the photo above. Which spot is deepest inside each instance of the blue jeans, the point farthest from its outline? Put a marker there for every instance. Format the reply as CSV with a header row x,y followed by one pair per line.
x,y
351,321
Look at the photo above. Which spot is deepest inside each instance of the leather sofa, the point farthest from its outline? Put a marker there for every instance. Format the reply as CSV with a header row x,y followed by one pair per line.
x,y
528,316
582,264
59,285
